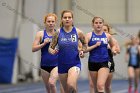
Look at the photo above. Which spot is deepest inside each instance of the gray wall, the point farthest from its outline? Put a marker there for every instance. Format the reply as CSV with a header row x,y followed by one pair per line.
x,y
114,11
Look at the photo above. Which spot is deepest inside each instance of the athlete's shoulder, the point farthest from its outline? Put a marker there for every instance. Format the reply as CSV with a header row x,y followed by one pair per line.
x,y
109,37
107,34
88,34
78,30
58,30
80,33
40,33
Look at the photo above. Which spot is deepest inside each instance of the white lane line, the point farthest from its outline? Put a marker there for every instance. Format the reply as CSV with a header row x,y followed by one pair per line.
x,y
121,91
31,91
18,89
11,89
85,91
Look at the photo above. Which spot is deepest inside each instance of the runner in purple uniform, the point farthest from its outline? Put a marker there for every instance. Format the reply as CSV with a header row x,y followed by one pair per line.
x,y
69,64
49,62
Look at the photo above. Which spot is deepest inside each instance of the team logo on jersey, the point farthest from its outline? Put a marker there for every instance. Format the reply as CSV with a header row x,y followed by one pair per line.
x,y
63,39
72,38
49,39
104,40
